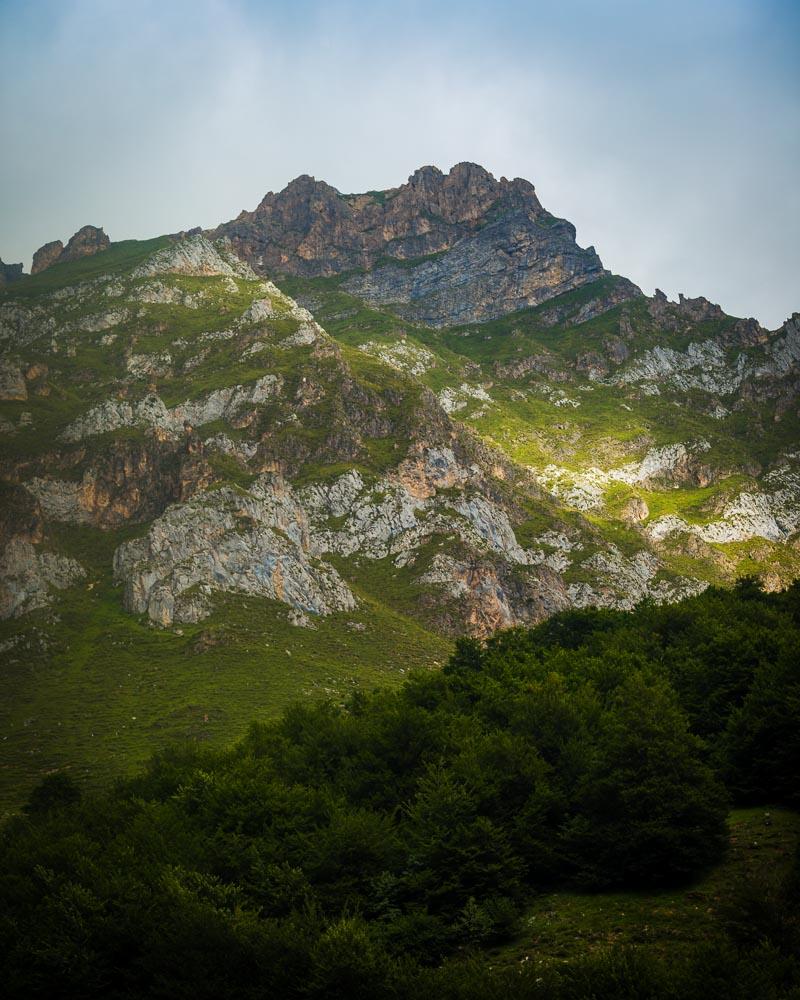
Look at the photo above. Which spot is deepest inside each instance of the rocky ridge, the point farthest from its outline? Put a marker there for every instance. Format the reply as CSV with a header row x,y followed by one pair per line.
x,y
442,248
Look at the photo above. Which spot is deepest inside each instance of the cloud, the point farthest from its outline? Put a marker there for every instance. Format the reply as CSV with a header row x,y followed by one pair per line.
x,y
666,132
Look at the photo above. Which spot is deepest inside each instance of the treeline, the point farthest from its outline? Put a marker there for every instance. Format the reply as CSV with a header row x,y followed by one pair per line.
x,y
373,850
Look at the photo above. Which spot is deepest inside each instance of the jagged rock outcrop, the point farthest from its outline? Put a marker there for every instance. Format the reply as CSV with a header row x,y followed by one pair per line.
x,y
28,577
487,247
9,273
46,256
310,228
194,256
256,545
87,241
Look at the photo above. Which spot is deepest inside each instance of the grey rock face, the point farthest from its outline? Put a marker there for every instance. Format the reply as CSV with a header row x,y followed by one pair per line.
x,y
272,540
27,577
717,367
225,542
702,366
622,581
61,500
103,321
149,365
784,351
152,412
194,255
20,325
158,293
492,597
773,514
509,265
12,382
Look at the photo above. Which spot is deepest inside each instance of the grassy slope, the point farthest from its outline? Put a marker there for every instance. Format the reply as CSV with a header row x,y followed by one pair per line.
x,y
119,258
563,926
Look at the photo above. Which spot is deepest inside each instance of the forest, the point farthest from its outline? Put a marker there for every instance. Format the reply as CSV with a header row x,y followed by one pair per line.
x,y
389,846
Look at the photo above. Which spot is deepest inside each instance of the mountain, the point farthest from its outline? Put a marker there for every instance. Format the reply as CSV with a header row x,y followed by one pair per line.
x,y
305,450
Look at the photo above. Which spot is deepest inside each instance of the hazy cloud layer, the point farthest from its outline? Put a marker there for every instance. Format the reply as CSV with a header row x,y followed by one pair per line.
x,y
669,133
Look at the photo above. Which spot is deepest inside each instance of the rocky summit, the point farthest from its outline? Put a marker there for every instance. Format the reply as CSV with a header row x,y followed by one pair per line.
x,y
87,241
443,248
265,461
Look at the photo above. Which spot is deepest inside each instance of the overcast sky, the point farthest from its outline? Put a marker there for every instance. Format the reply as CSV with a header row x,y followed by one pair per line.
x,y
668,132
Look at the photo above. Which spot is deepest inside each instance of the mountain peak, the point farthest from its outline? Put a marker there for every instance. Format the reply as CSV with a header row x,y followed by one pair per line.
x,y
86,241
424,175
306,182
494,232
466,169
